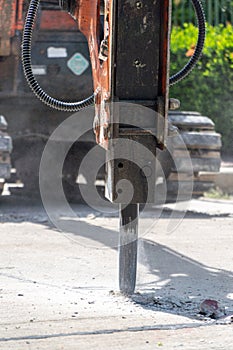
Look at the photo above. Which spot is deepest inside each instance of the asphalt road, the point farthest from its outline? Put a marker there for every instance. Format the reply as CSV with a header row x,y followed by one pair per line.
x,y
59,289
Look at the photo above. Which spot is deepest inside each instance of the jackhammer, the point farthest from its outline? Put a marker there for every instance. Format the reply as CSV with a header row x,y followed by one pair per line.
x,y
129,42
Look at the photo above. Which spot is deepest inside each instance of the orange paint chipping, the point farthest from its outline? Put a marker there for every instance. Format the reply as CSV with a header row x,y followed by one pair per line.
x,y
87,14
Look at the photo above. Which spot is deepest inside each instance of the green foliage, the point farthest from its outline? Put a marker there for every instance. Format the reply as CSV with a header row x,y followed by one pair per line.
x,y
182,10
216,11
209,88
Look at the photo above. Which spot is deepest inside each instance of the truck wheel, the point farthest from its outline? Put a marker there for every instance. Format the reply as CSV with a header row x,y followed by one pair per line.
x,y
197,135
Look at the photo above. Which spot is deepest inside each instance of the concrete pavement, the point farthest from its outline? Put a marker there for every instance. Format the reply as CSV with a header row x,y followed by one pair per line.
x,y
60,291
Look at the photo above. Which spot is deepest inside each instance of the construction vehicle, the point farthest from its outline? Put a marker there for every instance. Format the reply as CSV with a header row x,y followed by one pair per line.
x,y
29,122
64,67
61,64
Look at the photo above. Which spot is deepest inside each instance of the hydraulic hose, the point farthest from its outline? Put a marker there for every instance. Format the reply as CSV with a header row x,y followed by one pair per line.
x,y
199,46
76,106
27,67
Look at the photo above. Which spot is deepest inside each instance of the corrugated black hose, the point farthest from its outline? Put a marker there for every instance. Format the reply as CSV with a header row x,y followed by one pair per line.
x,y
76,106
27,67
199,46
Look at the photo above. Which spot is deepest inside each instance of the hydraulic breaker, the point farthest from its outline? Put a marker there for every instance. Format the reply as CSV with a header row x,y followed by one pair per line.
x,y
130,65
129,51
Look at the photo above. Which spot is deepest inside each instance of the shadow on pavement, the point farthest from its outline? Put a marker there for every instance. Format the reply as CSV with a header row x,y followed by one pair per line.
x,y
180,281
171,274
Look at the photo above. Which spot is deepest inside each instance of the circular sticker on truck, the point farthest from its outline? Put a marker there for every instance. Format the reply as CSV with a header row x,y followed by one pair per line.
x,y
78,63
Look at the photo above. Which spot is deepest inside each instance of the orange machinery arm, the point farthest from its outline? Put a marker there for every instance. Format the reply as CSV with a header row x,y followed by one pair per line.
x,y
87,14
